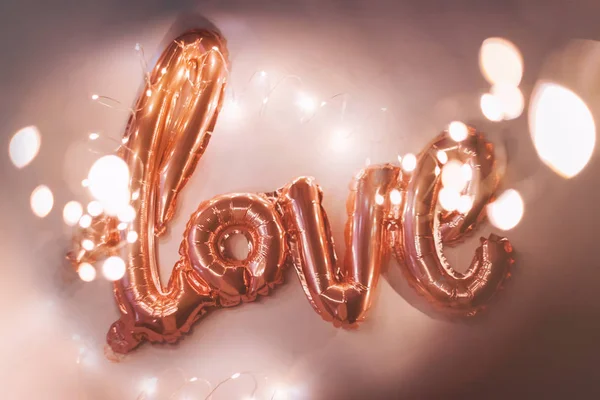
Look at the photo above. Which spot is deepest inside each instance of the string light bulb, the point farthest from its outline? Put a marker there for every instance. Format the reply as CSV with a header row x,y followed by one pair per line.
x,y
506,211
458,131
395,197
491,107
449,199
41,201
132,236
87,244
85,221
409,162
94,208
86,272
113,268
453,176
72,213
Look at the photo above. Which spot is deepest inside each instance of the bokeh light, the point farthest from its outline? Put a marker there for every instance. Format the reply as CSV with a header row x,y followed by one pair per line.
x,y
41,201
453,176
449,199
126,214
510,99
132,236
94,208
465,202
113,268
458,131
72,213
500,62
507,210
395,197
85,221
491,107
442,156
87,244
409,162
86,271
24,146
562,129
109,183
306,103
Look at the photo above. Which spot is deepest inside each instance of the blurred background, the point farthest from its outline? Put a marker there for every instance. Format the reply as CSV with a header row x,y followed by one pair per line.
x,y
321,88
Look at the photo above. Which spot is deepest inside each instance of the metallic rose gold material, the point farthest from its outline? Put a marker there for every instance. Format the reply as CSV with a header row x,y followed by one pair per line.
x,y
339,293
476,152
419,235
167,134
251,215
104,235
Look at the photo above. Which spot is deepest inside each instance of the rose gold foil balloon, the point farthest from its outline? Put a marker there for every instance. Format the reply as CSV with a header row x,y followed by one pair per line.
x,y
420,232
167,134
339,292
387,209
251,215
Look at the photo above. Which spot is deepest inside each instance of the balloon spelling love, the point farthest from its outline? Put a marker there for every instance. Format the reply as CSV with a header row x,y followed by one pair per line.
x,y
389,212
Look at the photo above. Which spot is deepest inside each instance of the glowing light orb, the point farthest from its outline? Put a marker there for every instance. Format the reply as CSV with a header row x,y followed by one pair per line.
x,y
93,136
113,268
511,100
306,103
24,146
85,221
562,129
458,131
491,108
465,203
87,244
72,213
132,236
501,62
108,181
41,201
94,208
467,172
86,272
379,199
395,197
507,210
442,156
127,214
409,162
449,199
453,176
